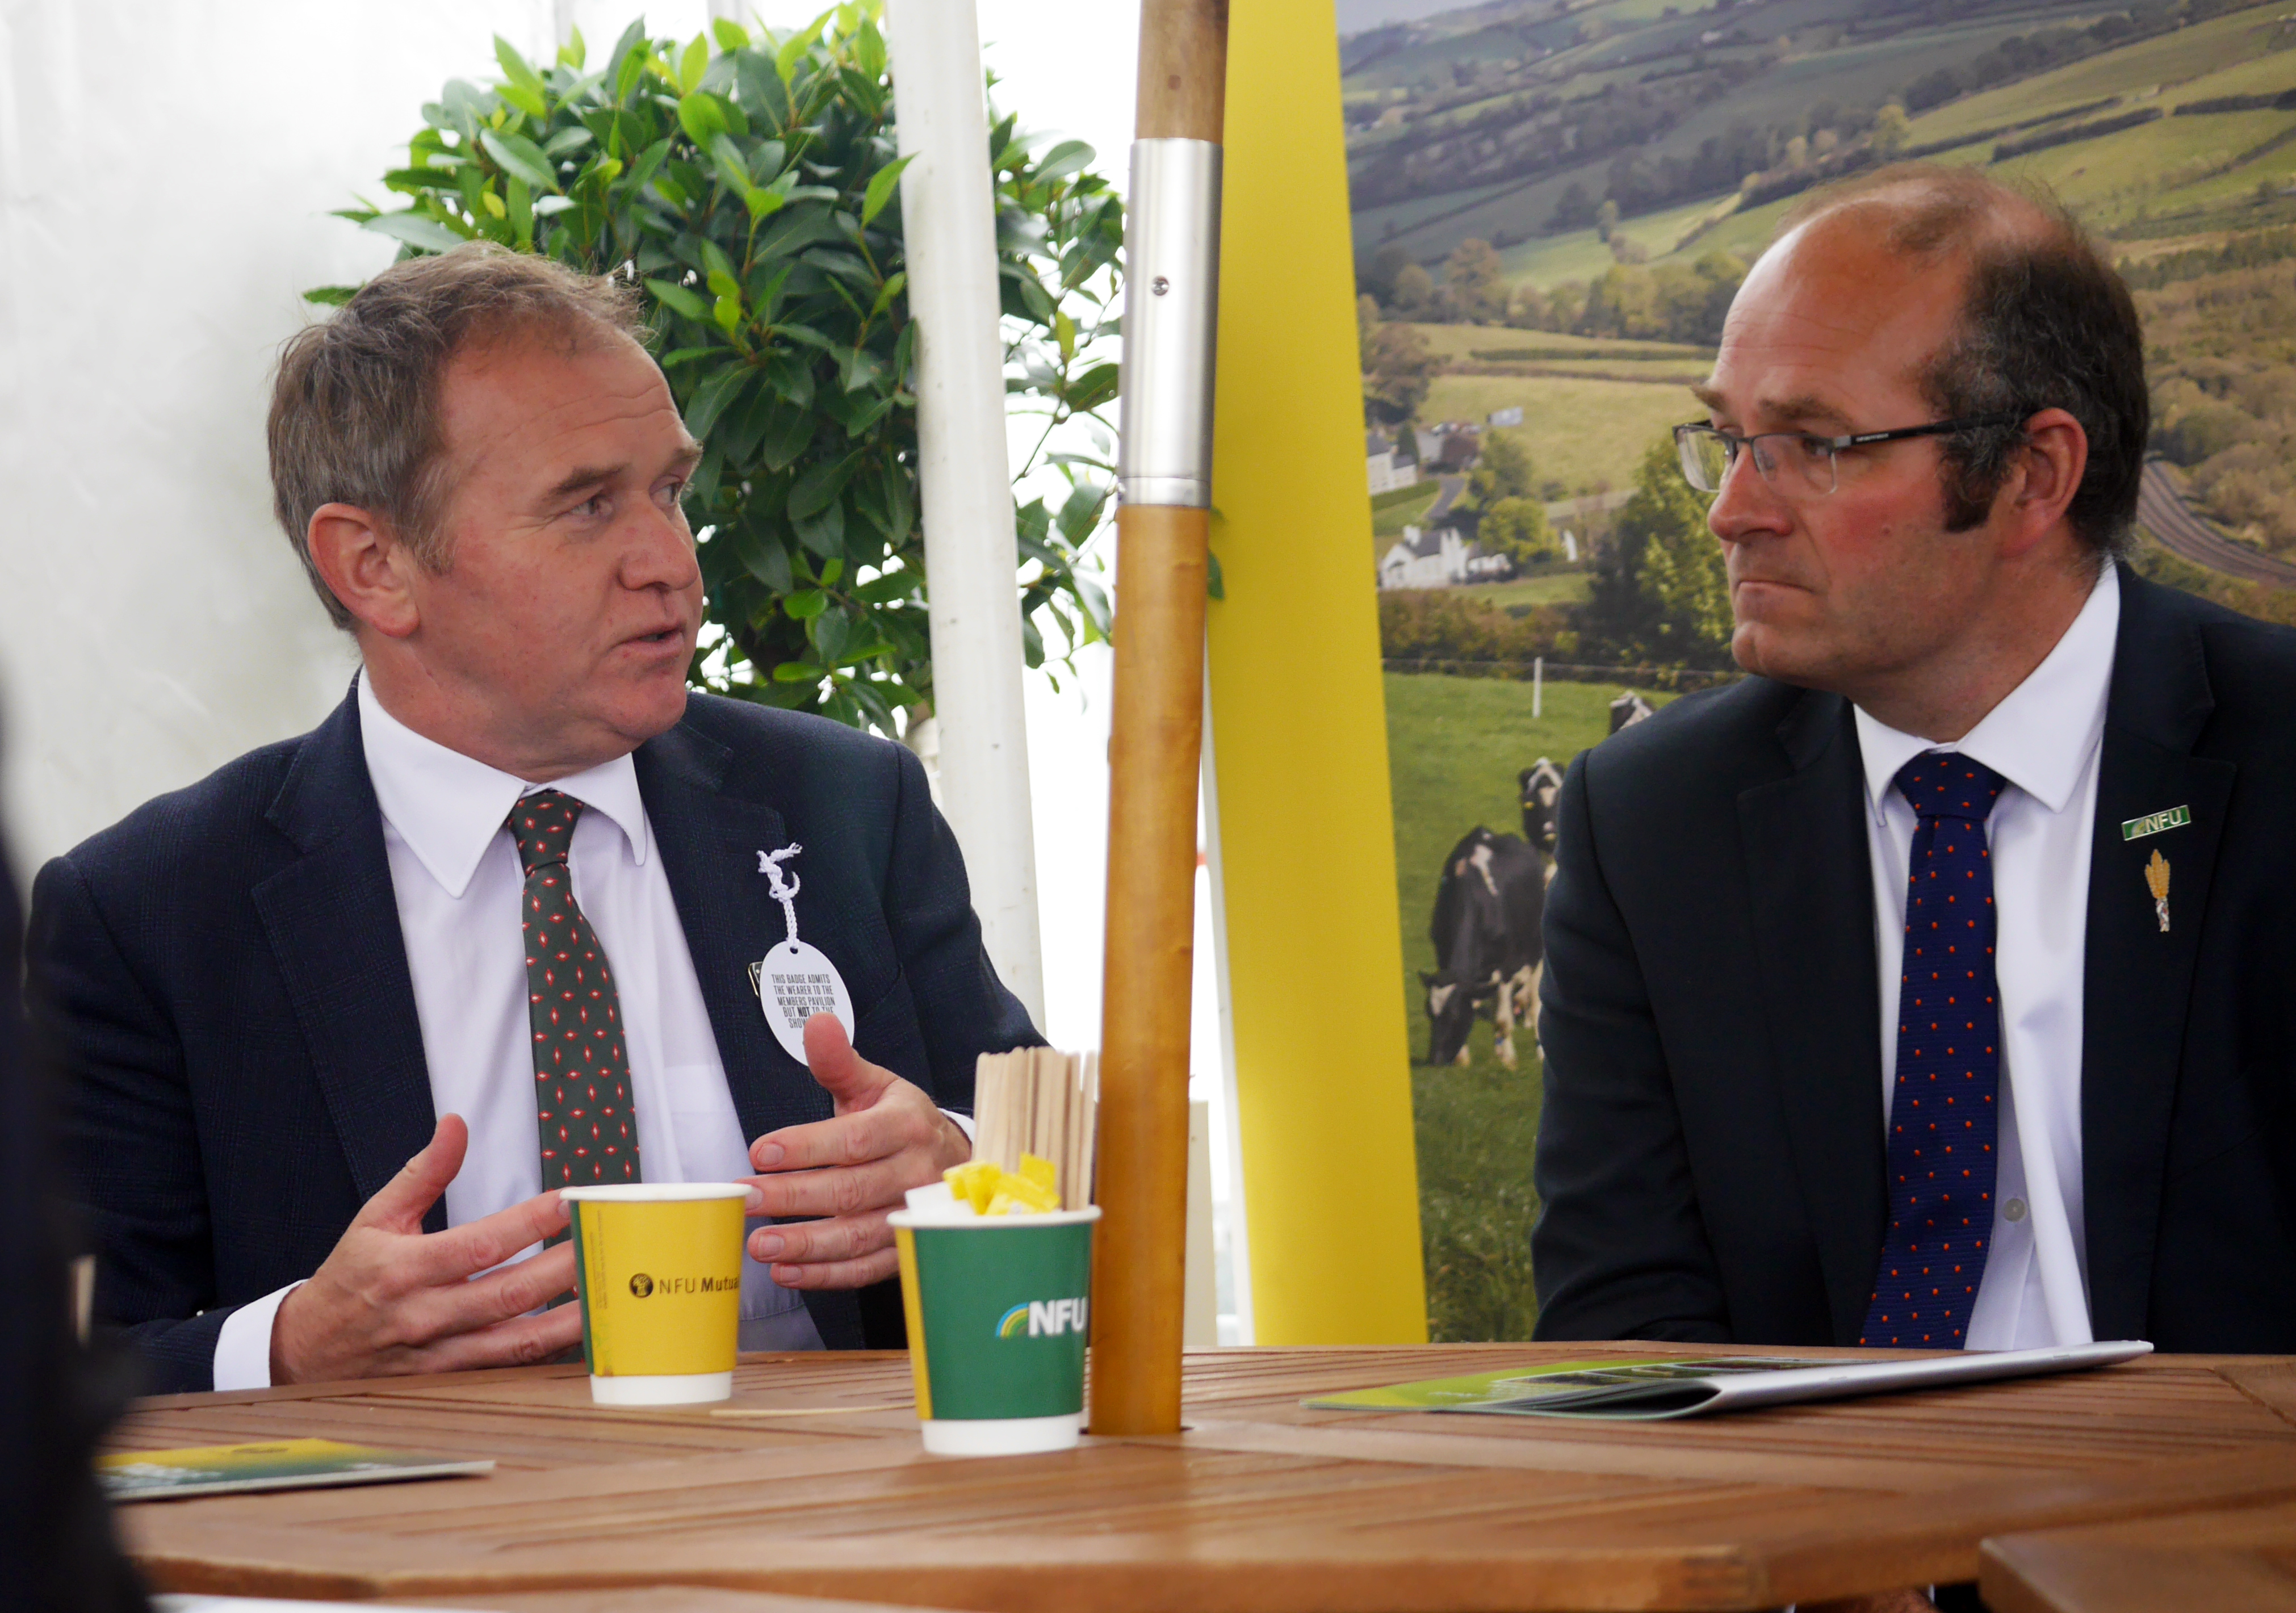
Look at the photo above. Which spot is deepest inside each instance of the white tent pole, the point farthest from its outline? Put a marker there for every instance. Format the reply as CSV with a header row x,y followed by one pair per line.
x,y
950,223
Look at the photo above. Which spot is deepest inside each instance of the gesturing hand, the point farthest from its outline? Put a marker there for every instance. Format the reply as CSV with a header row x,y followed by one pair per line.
x,y
886,1138
391,1298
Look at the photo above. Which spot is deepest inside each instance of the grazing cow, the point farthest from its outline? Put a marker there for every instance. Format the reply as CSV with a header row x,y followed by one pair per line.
x,y
1487,910
1539,784
1628,709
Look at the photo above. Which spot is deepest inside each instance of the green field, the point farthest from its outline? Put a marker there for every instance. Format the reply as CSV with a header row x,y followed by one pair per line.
x,y
1459,344
1546,588
2185,65
1585,434
1389,520
1455,746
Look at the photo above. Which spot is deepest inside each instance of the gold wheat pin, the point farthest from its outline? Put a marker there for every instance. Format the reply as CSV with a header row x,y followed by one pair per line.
x,y
2156,879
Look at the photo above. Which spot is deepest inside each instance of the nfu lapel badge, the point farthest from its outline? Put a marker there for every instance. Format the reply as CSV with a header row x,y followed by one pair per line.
x,y
2153,822
795,981
2156,879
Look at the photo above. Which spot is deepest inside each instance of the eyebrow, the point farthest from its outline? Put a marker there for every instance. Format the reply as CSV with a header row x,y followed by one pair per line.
x,y
1807,407
591,476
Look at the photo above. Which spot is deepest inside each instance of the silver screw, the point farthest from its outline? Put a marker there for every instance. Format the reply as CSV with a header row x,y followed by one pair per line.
x,y
1160,285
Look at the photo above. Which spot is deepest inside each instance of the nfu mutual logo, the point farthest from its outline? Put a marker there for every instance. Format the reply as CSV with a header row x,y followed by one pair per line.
x,y
1043,1318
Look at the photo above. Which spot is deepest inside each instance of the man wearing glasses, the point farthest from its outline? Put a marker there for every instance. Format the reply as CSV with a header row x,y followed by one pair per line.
x,y
1934,987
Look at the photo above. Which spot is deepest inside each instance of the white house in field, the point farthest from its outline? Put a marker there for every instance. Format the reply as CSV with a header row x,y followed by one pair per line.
x,y
1439,557
1387,469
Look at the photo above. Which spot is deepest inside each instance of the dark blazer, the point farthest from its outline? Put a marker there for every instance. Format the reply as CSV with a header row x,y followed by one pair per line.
x,y
1710,1157
224,973
57,1549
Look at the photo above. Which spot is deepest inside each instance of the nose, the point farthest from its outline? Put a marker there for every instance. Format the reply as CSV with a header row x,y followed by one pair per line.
x,y
660,552
1747,507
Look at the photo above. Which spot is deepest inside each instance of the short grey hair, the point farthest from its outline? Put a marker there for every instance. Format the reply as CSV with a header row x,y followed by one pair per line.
x,y
355,406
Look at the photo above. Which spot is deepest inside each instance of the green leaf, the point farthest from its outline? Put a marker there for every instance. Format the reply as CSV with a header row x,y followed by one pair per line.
x,y
727,312
527,101
1069,157
819,488
571,54
828,632
880,188
626,69
731,35
887,291
693,64
521,157
677,296
515,66
1214,585
521,208
763,204
418,230
711,397
767,561
805,603
700,116
824,534
799,672
572,138
649,164
331,297
791,53
725,285
1094,387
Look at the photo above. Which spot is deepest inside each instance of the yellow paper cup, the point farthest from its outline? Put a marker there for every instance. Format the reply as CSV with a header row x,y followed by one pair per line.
x,y
658,1269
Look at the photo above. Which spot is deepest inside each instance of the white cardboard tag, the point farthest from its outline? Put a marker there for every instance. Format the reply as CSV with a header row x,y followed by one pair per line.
x,y
795,981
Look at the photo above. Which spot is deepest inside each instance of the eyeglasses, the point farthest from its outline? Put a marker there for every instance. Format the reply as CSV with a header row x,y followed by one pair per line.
x,y
1793,462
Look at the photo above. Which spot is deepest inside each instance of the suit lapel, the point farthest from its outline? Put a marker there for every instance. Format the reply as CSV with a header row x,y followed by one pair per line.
x,y
2138,980
332,922
1812,902
709,840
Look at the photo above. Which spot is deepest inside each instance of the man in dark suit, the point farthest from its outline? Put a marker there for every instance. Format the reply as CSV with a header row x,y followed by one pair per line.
x,y
1930,986
339,1017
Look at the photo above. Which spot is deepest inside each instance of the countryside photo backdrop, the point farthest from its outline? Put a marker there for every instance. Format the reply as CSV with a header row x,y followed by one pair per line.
x,y
1554,202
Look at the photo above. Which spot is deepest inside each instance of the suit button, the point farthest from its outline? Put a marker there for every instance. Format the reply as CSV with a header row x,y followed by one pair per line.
x,y
2015,1210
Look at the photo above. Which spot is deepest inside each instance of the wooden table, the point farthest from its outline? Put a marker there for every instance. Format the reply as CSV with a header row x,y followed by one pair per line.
x,y
2241,1561
1260,1507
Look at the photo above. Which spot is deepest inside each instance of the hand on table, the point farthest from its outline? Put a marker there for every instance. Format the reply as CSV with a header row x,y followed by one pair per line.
x,y
392,1298
886,1138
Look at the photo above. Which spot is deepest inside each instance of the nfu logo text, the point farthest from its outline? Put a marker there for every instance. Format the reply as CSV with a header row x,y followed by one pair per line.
x,y
1043,1318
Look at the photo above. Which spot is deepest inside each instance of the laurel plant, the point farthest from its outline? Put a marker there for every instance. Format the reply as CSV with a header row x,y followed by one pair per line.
x,y
748,183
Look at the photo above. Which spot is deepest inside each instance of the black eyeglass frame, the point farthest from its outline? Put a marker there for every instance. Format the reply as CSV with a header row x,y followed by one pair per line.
x,y
1833,446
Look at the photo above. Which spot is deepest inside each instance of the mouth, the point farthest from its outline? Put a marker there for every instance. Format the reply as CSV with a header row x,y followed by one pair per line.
x,y
661,638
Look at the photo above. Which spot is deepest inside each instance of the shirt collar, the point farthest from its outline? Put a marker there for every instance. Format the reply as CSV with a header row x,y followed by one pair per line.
x,y
2045,729
449,807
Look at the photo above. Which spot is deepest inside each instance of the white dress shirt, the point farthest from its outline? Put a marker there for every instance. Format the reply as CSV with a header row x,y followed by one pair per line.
x,y
2044,739
456,873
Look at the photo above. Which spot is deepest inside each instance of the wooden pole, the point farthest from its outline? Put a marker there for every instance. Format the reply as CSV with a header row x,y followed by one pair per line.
x,y
1155,746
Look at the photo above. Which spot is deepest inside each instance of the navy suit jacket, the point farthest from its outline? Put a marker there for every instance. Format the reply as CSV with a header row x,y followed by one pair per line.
x,y
1710,1157
223,975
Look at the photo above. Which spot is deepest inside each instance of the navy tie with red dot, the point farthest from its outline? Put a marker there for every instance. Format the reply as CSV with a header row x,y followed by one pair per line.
x,y
1943,1118
581,1070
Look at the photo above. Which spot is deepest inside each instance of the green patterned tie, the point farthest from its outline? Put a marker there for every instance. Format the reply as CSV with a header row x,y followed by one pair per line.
x,y
581,1070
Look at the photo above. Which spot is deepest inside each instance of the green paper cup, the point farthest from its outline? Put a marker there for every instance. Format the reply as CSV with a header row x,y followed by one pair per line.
x,y
658,1269
999,1307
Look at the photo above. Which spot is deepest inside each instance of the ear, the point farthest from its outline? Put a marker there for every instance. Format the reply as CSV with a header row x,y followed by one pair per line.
x,y
365,566
2050,468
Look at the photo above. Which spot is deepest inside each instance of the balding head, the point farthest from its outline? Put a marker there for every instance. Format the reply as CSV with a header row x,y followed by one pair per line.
x,y
2045,322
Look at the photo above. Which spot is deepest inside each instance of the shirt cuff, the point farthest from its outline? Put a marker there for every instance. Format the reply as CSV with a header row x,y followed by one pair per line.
x,y
965,1124
242,1352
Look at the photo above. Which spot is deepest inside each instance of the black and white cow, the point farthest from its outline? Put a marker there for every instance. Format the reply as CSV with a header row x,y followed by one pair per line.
x,y
1628,709
1539,784
1488,909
